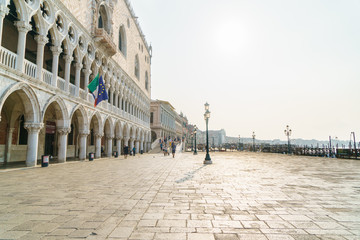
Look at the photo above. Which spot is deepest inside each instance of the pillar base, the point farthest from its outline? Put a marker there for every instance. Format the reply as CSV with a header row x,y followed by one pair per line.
x,y
207,162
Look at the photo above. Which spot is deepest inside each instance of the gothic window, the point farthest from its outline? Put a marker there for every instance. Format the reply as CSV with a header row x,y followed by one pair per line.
x,y
122,40
137,67
103,20
146,81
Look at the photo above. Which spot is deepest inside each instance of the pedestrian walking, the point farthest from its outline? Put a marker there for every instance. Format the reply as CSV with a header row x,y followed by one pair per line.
x,y
173,149
134,151
126,151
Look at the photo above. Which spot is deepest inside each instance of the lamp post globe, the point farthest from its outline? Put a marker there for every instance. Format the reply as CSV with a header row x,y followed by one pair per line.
x,y
206,117
195,150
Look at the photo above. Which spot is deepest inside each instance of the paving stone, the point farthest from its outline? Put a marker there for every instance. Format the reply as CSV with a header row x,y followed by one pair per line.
x,y
200,236
226,237
170,236
241,195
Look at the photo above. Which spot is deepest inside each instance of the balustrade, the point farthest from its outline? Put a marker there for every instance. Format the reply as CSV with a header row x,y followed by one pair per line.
x,y
7,57
72,89
30,68
61,83
47,76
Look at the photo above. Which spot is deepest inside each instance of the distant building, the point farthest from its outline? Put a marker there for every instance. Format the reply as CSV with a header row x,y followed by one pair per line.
x,y
165,121
216,137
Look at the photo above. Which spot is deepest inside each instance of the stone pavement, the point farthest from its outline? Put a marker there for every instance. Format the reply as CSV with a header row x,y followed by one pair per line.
x,y
239,196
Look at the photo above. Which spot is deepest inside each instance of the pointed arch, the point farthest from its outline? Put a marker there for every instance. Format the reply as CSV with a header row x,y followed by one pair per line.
x,y
28,95
82,116
61,109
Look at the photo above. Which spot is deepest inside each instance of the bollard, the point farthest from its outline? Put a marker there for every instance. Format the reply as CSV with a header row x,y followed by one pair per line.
x,y
44,160
91,156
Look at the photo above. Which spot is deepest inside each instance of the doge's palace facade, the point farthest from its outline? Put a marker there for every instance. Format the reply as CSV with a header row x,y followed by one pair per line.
x,y
50,51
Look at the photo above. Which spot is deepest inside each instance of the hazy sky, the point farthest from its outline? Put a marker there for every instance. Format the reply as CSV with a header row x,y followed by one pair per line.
x,y
260,64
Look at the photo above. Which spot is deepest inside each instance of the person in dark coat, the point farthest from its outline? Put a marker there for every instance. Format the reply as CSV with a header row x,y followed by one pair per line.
x,y
173,148
126,151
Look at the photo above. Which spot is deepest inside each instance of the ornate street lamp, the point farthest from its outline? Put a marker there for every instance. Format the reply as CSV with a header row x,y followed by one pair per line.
x,y
192,141
195,151
253,136
206,117
287,132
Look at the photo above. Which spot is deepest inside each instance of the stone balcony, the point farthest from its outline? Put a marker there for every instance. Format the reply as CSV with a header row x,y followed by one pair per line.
x,y
105,41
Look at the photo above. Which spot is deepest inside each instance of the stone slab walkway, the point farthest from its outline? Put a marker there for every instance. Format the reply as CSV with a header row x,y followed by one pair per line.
x,y
239,196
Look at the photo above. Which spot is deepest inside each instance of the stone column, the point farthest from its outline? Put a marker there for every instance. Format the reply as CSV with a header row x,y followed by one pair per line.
x,y
56,50
142,146
116,100
33,141
87,73
137,146
109,146
68,60
83,137
131,143
98,145
4,10
126,142
8,144
118,145
41,41
23,28
62,143
77,78
112,95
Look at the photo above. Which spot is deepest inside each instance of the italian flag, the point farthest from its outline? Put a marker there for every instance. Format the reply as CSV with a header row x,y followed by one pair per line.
x,y
97,89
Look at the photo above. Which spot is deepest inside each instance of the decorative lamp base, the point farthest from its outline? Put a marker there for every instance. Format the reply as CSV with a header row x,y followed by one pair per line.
x,y
207,162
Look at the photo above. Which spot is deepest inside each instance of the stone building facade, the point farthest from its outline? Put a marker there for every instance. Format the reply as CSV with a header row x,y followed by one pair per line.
x,y
50,51
162,120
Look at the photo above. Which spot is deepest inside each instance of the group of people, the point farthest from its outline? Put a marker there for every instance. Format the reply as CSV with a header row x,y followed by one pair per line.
x,y
168,144
127,151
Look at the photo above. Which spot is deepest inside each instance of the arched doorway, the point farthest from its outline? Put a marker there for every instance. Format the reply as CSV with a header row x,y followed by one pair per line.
x,y
19,126
78,135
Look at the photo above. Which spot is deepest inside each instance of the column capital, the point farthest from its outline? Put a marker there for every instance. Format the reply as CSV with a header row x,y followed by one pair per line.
x,y
108,137
98,135
68,58
63,130
87,71
118,137
78,66
33,127
4,10
56,50
84,133
23,26
41,39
